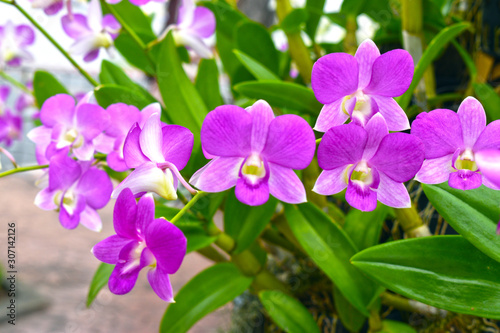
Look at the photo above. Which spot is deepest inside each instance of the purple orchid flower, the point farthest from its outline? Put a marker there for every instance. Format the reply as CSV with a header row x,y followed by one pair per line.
x,y
256,152
66,125
50,7
361,86
25,100
4,96
10,127
13,42
157,152
91,32
76,190
141,241
193,25
458,145
112,141
371,163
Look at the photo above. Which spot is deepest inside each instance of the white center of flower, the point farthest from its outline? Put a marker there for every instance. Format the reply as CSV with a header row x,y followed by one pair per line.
x,y
362,109
465,161
70,138
68,201
103,39
254,169
362,174
135,259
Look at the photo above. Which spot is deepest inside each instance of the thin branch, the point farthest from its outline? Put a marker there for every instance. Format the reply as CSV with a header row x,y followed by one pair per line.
x,y
188,206
23,169
14,82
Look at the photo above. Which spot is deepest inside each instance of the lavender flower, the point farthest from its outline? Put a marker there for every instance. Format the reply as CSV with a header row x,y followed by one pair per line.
x,y
371,163
157,152
76,190
458,146
25,100
91,32
256,152
4,96
50,7
361,86
13,42
141,241
10,127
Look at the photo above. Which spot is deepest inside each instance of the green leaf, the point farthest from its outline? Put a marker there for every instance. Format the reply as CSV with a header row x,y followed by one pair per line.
x,y
245,223
391,326
207,83
99,280
443,271
129,49
282,95
330,248
351,318
436,45
108,94
256,68
207,291
294,20
136,20
254,40
45,86
315,9
288,313
473,213
490,100
364,228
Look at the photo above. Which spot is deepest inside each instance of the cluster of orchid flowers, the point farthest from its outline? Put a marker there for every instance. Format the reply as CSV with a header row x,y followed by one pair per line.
x,y
11,123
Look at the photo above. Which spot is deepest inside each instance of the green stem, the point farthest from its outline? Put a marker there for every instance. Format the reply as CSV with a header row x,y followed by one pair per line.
x,y
210,253
190,204
411,222
405,304
6,1
130,31
22,169
53,41
15,83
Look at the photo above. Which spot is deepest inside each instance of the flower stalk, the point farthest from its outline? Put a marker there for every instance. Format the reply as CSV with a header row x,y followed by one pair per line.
x,y
411,222
23,169
190,204
15,83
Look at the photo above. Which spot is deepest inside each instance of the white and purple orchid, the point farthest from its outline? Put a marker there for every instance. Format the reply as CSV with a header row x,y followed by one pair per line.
x,y
256,152
157,152
76,190
459,146
25,100
91,32
10,127
4,96
141,241
362,85
13,42
370,163
50,7
65,125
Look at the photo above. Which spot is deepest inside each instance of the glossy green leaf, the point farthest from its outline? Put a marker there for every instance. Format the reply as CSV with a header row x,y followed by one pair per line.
x,y
256,68
129,49
331,249
443,271
108,94
207,291
490,100
45,85
136,20
294,21
391,326
207,83
288,313
99,280
245,223
351,318
364,228
473,213
431,52
285,95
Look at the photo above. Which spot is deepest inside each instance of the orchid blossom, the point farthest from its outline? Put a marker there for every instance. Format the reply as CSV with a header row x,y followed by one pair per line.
x,y
141,241
13,42
256,152
10,127
4,96
91,32
25,100
362,85
370,163
459,147
50,7
157,152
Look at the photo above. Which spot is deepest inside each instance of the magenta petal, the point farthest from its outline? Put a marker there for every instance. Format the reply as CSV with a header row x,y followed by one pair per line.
x,y
440,131
376,129
285,185
331,181
96,186
488,162
123,118
85,152
125,214
71,221
108,250
361,197
54,8
465,180
167,243
334,76
399,156
90,219
177,145
203,22
145,213
473,120
262,115
160,283
63,172
151,139
290,142
392,194
365,55
45,199
111,25
124,276
91,120
91,55
435,170
250,194
24,35
218,175
341,145
225,131
392,73
331,115
116,163
58,109
396,118
75,26
132,152
489,138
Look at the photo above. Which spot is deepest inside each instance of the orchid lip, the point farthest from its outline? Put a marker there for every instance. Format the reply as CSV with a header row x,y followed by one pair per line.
x,y
253,169
465,161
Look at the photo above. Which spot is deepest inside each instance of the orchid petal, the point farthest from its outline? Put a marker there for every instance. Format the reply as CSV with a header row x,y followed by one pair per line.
x,y
63,172
91,120
125,214
473,120
45,199
262,116
218,175
341,145
189,39
489,138
203,22
24,35
177,145
58,109
394,115
252,194
124,276
151,139
392,194
285,185
90,219
94,16
75,26
331,115
145,214
488,162
361,197
465,179
70,220
91,55
108,250
160,283
376,129
365,55
435,170
116,163
167,243
332,181
96,186
132,153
